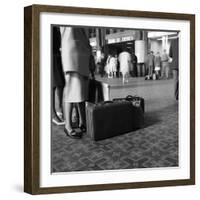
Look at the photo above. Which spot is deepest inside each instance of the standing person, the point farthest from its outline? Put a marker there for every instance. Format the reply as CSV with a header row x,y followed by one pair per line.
x,y
157,62
125,62
76,54
108,67
58,78
165,64
134,61
173,53
102,64
150,64
112,65
114,68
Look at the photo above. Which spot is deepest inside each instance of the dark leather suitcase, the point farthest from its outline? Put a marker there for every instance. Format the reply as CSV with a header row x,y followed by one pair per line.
x,y
108,119
136,101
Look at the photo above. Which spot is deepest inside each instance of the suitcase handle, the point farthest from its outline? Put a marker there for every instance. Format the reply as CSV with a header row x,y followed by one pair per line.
x,y
127,98
130,97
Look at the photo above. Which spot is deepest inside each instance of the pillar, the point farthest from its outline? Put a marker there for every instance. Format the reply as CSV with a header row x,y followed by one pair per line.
x,y
141,52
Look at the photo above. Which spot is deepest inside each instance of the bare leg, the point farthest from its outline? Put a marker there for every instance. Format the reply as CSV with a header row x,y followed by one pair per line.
x,y
123,78
56,118
67,115
59,112
75,117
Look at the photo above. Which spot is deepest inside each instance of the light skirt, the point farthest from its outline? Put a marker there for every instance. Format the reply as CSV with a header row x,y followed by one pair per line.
x,y
124,69
76,88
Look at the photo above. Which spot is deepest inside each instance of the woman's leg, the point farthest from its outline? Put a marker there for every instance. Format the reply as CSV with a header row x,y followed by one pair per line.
x,y
55,118
59,91
67,115
60,97
68,124
81,113
123,78
67,106
53,102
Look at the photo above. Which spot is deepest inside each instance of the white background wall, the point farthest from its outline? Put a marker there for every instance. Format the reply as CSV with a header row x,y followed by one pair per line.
x,y
11,101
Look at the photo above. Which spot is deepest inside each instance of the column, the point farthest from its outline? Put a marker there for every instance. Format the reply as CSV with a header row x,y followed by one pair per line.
x,y
141,52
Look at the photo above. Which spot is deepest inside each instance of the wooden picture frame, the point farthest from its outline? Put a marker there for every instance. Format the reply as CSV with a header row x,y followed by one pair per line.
x,y
32,106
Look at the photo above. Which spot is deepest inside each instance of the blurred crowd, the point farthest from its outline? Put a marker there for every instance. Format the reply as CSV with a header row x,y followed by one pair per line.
x,y
125,65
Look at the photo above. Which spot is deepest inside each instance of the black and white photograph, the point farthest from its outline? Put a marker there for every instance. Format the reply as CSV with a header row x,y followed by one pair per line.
x,y
111,94
114,98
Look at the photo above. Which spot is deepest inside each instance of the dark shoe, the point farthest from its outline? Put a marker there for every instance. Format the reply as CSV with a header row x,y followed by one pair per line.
x,y
73,134
83,128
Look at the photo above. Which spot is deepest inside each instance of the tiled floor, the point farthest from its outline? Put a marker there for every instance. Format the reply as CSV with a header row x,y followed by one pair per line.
x,y
156,145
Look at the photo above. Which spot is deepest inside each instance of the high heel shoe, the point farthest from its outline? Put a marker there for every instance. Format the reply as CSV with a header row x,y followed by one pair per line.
x,y
73,134
83,128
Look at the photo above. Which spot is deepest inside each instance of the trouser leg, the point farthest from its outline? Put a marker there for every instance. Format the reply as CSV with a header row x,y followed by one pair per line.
x,y
176,84
150,70
167,72
163,72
